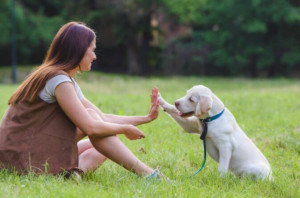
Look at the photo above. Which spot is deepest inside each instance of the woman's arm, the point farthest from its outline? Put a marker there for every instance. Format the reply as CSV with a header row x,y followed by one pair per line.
x,y
134,120
76,111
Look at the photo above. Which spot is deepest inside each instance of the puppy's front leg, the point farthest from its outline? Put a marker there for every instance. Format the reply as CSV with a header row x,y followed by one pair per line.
x,y
170,109
189,124
225,152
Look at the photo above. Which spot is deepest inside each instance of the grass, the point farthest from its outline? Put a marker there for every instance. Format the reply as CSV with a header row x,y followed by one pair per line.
x,y
267,110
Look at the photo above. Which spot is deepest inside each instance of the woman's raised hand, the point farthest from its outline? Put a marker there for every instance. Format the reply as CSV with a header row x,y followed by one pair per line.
x,y
153,113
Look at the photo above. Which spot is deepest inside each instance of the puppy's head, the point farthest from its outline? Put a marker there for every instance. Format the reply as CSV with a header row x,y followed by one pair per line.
x,y
198,102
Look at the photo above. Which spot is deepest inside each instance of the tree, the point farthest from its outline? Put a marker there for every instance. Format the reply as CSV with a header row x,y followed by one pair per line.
x,y
34,31
250,35
5,27
121,23
136,17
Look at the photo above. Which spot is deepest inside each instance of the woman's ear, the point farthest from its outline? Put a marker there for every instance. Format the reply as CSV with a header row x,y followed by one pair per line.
x,y
204,105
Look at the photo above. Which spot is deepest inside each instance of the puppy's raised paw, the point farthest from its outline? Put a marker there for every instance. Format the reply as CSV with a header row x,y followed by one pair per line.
x,y
161,100
165,105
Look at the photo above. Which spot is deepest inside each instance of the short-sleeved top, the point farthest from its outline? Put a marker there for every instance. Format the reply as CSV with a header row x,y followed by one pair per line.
x,y
47,94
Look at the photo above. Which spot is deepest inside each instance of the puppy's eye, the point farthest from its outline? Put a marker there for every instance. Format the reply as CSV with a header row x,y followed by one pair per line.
x,y
191,100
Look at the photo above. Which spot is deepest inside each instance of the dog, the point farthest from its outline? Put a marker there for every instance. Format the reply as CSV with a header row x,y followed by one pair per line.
x,y
226,142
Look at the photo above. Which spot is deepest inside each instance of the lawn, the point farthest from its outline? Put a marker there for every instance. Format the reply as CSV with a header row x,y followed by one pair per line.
x,y
267,110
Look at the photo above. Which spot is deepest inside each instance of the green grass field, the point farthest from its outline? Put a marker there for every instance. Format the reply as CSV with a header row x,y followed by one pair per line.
x,y
267,110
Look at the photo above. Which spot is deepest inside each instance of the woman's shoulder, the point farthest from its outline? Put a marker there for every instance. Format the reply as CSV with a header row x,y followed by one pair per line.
x,y
61,72
48,92
60,78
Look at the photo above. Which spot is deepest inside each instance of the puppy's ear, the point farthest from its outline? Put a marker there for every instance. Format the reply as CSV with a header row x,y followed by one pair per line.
x,y
204,105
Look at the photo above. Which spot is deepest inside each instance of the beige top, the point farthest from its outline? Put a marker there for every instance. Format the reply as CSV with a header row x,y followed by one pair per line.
x,y
47,94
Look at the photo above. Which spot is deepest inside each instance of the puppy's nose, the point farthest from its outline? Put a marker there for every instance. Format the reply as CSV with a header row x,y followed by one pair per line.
x,y
177,104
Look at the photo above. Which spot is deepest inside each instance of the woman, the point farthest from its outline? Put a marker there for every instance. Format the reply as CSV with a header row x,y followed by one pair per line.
x,y
48,115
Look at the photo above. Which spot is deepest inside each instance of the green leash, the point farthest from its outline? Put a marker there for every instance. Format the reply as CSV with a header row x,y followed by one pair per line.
x,y
204,160
203,136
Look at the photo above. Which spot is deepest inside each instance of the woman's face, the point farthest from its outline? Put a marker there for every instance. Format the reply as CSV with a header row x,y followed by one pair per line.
x,y
89,57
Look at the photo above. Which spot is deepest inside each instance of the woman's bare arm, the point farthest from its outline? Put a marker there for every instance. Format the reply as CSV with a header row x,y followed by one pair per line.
x,y
134,120
76,111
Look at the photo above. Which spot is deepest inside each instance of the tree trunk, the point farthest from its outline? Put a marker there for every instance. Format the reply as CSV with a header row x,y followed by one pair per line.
x,y
147,37
276,67
253,67
132,58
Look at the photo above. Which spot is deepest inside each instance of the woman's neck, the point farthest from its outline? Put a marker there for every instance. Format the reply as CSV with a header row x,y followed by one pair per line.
x,y
73,71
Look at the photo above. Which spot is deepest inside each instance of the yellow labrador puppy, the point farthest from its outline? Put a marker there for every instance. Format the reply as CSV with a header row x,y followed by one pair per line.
x,y
226,142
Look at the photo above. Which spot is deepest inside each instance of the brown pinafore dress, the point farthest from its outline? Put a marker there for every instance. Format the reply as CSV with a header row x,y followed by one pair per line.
x,y
37,137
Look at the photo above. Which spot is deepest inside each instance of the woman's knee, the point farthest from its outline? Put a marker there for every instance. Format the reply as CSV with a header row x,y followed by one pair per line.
x,y
81,134
84,145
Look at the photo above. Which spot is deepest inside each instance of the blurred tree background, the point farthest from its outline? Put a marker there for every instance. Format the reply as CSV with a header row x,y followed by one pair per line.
x,y
255,38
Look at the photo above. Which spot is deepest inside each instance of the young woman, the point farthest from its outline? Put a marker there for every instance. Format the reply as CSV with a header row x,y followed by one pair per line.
x,y
48,116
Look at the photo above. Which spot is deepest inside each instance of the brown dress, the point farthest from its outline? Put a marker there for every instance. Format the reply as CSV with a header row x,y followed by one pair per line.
x,y
37,137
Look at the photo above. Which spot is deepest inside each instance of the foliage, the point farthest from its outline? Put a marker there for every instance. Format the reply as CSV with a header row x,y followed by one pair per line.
x,y
251,35
273,125
35,30
228,37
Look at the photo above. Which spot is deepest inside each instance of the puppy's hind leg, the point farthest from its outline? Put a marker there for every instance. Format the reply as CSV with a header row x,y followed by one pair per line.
x,y
258,171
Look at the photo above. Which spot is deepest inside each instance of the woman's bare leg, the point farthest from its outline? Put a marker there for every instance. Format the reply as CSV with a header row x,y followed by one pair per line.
x,y
113,148
92,155
84,145
89,158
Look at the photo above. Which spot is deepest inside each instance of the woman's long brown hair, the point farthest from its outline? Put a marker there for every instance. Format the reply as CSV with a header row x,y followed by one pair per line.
x,y
64,54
